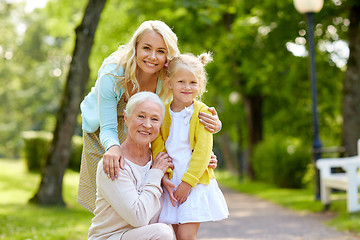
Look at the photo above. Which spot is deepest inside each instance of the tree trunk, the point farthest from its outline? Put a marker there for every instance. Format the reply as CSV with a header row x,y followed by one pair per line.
x,y
50,189
351,91
253,106
229,157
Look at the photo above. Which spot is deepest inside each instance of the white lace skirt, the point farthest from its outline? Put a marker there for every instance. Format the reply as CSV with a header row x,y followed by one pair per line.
x,y
204,203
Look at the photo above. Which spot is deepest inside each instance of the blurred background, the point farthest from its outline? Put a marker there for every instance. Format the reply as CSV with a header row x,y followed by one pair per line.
x,y
259,81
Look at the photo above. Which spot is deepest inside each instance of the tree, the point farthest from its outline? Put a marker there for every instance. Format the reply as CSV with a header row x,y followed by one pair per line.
x,y
351,89
50,189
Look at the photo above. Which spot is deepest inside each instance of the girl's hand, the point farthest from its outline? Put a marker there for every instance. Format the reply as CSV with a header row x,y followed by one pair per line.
x,y
182,192
162,162
112,160
169,186
212,122
213,161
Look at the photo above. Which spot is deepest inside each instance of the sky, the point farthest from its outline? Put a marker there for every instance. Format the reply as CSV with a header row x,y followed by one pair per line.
x,y
31,4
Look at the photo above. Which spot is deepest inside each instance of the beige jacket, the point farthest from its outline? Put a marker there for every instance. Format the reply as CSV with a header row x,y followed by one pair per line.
x,y
131,201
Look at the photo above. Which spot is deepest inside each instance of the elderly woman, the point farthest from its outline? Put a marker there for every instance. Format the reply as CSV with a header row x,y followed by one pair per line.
x,y
128,207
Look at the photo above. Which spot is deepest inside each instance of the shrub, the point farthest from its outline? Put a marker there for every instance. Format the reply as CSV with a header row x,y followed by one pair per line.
x,y
76,151
281,161
36,146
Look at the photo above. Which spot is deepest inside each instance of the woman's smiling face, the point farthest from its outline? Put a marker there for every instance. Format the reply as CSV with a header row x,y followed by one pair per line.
x,y
151,53
144,122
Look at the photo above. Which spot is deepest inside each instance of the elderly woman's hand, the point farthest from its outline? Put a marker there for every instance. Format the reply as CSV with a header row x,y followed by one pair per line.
x,y
162,162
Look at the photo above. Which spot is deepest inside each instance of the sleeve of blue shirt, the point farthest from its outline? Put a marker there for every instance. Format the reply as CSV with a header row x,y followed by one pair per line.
x,y
107,102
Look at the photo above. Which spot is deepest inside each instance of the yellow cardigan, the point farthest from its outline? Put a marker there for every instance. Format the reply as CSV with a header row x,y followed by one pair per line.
x,y
201,143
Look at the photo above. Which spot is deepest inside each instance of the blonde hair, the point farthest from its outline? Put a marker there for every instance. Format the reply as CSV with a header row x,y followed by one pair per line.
x,y
125,56
194,64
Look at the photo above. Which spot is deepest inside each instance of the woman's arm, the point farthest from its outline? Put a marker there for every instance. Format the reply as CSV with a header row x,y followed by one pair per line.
x,y
107,103
107,100
113,160
211,121
135,208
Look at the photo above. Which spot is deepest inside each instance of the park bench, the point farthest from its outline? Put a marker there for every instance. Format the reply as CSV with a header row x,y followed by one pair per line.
x,y
349,180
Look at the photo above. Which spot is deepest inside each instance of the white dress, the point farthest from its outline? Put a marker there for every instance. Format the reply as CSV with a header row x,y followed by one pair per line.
x,y
205,202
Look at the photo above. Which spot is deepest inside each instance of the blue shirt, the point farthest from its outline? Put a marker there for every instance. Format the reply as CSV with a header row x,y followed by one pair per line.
x,y
99,107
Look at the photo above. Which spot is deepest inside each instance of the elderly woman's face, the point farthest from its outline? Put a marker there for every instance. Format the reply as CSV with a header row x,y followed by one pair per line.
x,y
144,122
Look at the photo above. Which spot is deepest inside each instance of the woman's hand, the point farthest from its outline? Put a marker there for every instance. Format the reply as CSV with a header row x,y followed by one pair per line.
x,y
112,160
213,161
162,162
169,186
212,122
182,192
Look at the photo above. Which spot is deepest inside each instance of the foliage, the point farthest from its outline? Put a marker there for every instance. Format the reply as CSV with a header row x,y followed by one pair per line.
x,y
76,151
249,40
281,161
36,146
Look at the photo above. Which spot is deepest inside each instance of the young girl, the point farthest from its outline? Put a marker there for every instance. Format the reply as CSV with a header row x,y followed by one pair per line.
x,y
197,197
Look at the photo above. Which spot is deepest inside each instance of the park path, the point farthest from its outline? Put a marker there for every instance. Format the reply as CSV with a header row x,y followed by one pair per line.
x,y
255,219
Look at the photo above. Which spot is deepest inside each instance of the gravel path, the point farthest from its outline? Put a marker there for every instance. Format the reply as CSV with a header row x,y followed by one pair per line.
x,y
255,219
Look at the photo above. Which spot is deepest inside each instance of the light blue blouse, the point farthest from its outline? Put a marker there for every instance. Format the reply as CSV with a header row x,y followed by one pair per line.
x,y
99,107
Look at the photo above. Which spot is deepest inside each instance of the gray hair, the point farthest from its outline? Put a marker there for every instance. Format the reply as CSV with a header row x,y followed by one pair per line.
x,y
141,97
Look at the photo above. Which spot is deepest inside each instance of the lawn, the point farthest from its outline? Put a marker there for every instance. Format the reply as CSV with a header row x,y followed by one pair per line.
x,y
20,220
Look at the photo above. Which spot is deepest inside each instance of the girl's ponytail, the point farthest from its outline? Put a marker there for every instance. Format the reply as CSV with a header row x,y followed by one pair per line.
x,y
205,58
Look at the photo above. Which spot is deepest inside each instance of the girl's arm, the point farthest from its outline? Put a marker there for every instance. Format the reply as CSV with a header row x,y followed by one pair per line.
x,y
199,162
213,124
201,155
211,121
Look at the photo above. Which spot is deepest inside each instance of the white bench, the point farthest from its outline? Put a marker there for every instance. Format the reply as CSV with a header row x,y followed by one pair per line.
x,y
348,181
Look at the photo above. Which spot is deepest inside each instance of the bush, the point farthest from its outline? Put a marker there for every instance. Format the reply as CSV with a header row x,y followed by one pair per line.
x,y
281,161
76,151
36,146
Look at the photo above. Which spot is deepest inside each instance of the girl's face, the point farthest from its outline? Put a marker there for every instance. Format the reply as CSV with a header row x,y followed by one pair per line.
x,y
185,88
144,122
150,53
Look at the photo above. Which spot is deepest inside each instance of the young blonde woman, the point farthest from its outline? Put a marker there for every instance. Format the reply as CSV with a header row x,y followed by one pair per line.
x,y
139,65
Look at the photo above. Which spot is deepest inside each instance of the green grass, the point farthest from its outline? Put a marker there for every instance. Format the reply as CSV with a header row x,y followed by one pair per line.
x,y
20,220
300,200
